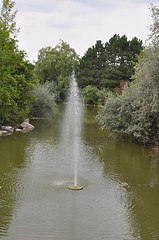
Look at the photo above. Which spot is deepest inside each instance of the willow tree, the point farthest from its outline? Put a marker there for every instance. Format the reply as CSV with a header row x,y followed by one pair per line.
x,y
56,65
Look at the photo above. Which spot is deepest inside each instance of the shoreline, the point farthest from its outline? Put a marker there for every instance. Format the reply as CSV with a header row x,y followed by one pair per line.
x,y
24,127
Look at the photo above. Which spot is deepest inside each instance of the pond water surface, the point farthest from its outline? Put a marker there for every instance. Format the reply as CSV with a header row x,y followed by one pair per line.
x,y
35,202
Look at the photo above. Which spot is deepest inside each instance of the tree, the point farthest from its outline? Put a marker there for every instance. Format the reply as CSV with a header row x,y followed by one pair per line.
x,y
56,65
122,56
16,79
91,66
154,36
7,18
106,65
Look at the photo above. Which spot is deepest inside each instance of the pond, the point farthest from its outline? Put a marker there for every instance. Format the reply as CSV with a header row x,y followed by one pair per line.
x,y
120,198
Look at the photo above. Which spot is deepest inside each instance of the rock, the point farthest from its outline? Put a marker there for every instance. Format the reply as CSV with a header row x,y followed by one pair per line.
x,y
4,132
7,128
26,125
18,130
26,120
25,130
23,127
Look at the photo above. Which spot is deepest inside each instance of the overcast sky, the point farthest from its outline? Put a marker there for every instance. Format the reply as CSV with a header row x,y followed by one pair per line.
x,y
79,22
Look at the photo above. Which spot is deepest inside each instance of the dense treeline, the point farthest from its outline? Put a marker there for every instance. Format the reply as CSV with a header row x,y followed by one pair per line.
x,y
104,66
136,111
28,89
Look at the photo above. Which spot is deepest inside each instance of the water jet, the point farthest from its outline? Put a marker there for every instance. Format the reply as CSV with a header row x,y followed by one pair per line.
x,y
72,128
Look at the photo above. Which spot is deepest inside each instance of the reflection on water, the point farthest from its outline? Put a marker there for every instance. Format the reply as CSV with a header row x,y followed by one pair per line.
x,y
12,161
119,199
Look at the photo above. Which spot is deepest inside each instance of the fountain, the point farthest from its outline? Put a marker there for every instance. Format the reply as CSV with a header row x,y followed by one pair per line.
x,y
72,126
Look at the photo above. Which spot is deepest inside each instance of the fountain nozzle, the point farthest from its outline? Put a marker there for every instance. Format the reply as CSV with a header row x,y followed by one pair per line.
x,y
72,187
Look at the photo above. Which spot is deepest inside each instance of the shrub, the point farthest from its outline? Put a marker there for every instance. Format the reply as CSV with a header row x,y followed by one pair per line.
x,y
94,96
90,95
45,104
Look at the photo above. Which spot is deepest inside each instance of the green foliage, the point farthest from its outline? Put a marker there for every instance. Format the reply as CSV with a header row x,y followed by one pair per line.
x,y
117,111
105,65
45,103
16,76
7,18
92,66
136,111
56,65
93,96
90,95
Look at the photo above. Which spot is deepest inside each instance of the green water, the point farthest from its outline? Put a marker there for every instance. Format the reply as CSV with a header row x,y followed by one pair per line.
x,y
35,202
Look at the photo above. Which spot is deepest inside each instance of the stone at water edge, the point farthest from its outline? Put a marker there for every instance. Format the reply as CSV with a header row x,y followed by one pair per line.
x,y
3,132
18,130
26,125
7,128
26,130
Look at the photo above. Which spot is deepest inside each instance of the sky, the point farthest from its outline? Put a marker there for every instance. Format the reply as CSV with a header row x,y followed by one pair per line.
x,y
80,23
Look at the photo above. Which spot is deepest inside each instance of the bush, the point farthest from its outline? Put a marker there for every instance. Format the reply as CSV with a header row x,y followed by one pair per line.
x,y
93,96
90,95
45,104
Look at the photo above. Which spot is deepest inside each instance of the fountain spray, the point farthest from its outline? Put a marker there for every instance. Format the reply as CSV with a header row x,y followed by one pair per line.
x,y
73,118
